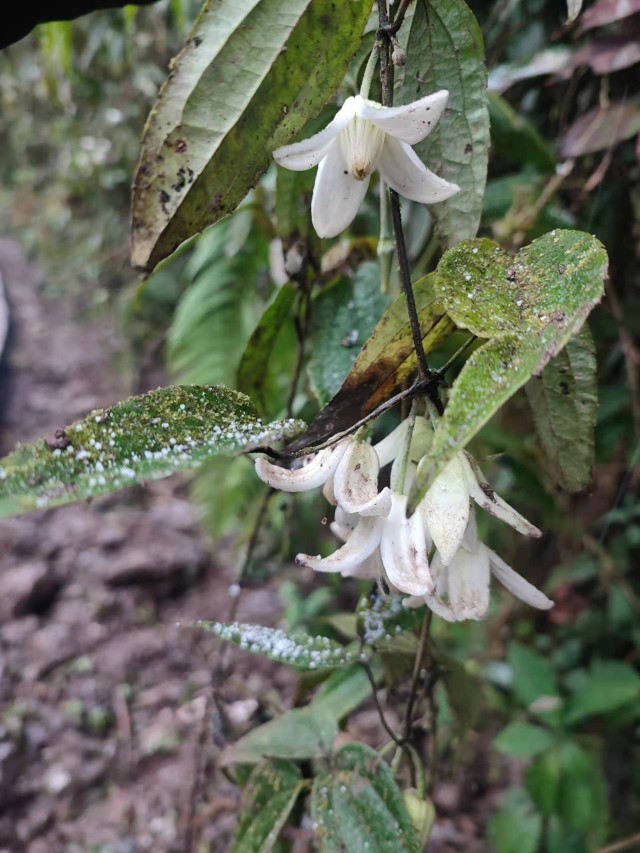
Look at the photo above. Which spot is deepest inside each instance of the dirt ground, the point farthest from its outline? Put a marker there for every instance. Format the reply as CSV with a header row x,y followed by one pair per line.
x,y
106,726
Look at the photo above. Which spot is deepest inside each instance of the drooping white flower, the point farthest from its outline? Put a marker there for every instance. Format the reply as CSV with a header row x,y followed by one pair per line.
x,y
348,471
314,472
462,587
397,545
362,138
445,507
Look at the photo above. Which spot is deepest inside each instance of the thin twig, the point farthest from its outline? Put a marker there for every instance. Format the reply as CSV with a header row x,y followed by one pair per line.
x,y
204,735
374,688
465,346
630,843
386,80
420,386
417,667
393,28
302,327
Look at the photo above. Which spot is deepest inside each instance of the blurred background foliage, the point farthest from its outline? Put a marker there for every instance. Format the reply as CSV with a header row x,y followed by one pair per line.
x,y
560,691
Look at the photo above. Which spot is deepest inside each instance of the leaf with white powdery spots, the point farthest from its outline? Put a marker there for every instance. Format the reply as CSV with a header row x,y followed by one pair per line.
x,y
529,306
300,651
445,51
564,401
358,805
143,438
267,800
251,74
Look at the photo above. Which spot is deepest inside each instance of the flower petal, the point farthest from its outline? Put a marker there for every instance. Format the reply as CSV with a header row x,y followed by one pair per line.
x,y
410,123
355,483
328,493
345,519
369,569
308,153
516,584
469,577
404,551
389,447
360,545
340,531
485,497
311,475
445,510
400,167
337,195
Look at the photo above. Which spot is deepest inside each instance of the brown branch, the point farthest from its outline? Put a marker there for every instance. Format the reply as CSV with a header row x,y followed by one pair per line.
x,y
386,80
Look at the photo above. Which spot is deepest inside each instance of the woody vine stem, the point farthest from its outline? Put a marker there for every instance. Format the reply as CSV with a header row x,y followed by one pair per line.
x,y
386,33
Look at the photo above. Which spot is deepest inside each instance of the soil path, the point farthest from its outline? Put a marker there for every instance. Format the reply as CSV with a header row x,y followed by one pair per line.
x,y
101,695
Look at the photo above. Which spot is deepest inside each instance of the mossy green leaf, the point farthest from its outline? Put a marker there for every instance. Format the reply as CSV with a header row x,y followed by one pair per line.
x,y
357,805
143,438
297,650
267,800
529,306
564,401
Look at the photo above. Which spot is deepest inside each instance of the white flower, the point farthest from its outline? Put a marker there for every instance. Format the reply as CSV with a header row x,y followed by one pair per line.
x,y
445,508
348,470
396,544
462,586
362,138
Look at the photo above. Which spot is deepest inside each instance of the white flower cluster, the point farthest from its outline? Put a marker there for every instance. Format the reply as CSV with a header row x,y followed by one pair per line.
x,y
433,555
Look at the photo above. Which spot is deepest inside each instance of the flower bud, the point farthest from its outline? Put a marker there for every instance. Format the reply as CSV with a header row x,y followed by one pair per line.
x,y
398,56
422,814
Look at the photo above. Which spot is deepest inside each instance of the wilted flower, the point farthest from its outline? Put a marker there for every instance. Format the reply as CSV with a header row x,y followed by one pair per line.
x,y
348,470
396,544
462,586
446,506
362,138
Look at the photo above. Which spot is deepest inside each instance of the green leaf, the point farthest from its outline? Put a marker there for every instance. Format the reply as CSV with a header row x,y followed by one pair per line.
x,y
523,740
445,51
251,74
143,438
610,685
344,315
267,800
299,734
306,732
226,490
529,306
344,691
532,680
358,806
516,828
463,689
568,782
564,400
542,779
583,794
384,363
297,650
255,373
217,312
515,139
